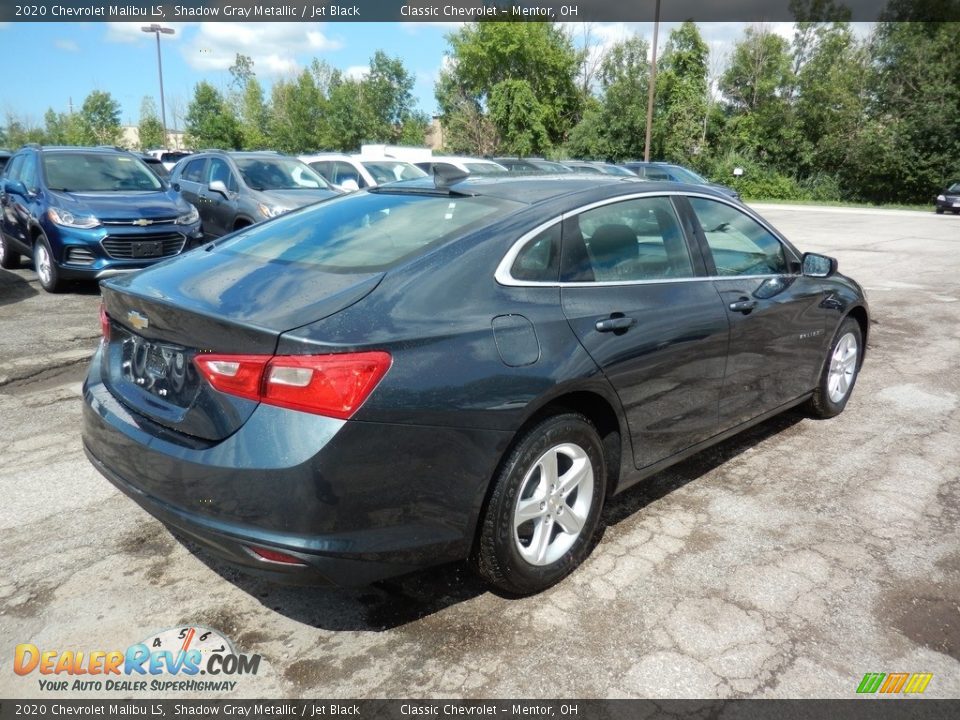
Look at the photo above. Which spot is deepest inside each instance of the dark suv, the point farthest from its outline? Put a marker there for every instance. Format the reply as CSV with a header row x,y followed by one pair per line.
x,y
236,189
676,173
89,213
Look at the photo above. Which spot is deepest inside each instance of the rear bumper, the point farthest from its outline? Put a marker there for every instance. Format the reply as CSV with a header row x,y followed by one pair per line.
x,y
355,501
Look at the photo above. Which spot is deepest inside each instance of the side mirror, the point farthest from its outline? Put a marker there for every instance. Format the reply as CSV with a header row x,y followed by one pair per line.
x,y
15,187
218,186
350,185
818,266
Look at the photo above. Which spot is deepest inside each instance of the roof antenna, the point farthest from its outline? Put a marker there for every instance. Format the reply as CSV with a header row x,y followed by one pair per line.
x,y
445,176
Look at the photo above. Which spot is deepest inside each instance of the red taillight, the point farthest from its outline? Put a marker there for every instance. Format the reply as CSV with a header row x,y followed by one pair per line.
x,y
334,385
104,324
275,556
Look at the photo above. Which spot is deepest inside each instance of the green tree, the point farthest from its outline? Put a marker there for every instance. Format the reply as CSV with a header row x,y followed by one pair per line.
x,y
150,128
757,85
100,118
831,96
210,121
254,116
487,53
909,144
624,78
681,95
241,72
519,117
297,122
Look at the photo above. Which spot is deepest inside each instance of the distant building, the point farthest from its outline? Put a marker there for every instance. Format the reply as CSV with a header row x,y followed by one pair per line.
x,y
131,138
433,138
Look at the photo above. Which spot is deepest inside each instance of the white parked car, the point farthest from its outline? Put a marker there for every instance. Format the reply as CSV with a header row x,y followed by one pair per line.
x,y
349,172
474,166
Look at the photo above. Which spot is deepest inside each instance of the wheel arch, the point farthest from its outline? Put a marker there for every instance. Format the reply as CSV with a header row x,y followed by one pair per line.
x,y
859,313
602,411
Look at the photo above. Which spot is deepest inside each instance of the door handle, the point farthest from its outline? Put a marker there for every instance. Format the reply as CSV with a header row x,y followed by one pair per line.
x,y
743,305
615,324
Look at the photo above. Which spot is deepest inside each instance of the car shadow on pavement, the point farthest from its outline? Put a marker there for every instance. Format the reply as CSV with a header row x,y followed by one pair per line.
x,y
382,606
399,601
648,491
14,288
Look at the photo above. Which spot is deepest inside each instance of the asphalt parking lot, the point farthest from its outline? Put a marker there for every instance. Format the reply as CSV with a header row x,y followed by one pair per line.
x,y
786,562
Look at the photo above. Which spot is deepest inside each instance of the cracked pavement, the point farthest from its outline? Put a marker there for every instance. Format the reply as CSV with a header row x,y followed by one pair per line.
x,y
785,562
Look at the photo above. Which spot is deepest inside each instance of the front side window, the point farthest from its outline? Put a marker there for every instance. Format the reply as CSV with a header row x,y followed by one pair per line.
x,y
738,243
638,239
13,169
220,170
98,172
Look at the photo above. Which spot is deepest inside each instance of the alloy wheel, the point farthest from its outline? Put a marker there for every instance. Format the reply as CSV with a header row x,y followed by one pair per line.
x,y
843,367
553,504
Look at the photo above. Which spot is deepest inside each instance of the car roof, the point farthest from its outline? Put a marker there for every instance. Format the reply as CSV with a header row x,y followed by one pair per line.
x,y
459,158
309,157
535,189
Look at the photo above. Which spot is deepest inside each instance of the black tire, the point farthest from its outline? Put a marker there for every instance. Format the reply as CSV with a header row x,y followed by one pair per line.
x,y
827,401
956,212
939,211
568,438
9,260
46,268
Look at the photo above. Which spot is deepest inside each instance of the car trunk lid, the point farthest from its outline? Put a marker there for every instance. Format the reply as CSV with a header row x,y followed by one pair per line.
x,y
208,302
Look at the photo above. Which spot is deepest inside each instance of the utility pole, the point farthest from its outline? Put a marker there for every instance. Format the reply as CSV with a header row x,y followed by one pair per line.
x,y
653,81
160,30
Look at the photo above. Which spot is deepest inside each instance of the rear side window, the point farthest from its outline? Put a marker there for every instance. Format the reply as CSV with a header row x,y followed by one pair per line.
x,y
193,171
539,259
656,174
367,232
638,239
738,243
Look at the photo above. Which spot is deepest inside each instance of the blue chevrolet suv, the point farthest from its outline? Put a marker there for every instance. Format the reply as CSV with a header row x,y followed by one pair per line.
x,y
89,213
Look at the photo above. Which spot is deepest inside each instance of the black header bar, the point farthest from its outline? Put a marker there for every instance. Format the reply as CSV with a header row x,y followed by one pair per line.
x,y
433,709
465,10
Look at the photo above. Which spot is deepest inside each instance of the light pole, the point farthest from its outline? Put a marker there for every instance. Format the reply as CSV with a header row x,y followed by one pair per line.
x,y
158,30
653,81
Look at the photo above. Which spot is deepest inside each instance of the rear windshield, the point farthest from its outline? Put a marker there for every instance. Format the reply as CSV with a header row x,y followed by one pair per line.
x,y
367,232
386,171
98,172
688,176
484,168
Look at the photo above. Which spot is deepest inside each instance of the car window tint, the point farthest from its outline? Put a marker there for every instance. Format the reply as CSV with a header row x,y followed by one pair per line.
x,y
345,171
637,239
363,232
220,170
13,169
193,172
539,258
739,244
28,173
656,174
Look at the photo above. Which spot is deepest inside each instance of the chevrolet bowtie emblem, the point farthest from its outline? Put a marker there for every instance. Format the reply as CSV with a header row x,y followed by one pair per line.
x,y
143,222
137,320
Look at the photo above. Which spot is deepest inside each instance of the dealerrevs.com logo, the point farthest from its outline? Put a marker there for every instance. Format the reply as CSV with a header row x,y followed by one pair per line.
x,y
894,683
184,659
